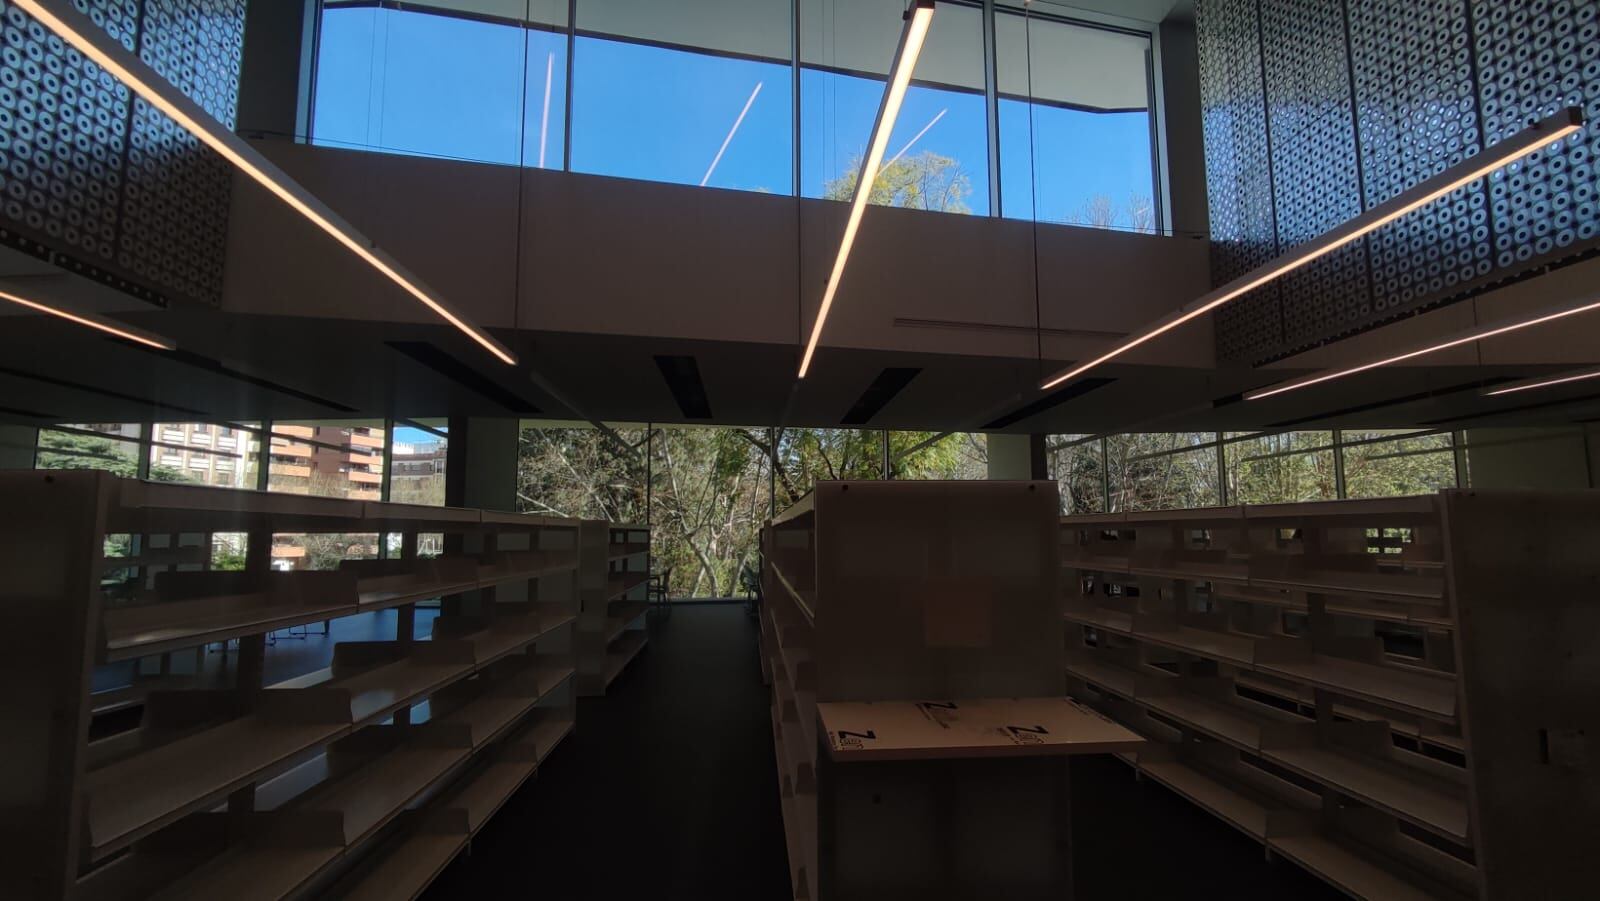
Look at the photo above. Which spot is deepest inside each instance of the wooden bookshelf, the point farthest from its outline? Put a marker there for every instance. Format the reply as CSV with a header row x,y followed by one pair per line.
x,y
1342,678
614,575
234,788
910,659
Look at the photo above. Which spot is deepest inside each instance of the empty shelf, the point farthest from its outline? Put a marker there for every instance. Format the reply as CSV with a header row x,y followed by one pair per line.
x,y
1231,647
517,566
548,728
620,652
252,872
376,792
1358,875
1112,678
626,582
1112,620
409,867
1432,697
1410,795
384,689
621,615
510,634
1218,719
197,608
135,796
488,788
621,551
1223,801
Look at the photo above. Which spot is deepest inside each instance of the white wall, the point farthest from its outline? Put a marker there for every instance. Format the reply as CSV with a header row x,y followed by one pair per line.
x,y
615,256
1558,459
17,445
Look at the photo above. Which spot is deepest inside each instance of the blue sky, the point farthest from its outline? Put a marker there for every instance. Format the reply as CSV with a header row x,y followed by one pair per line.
x,y
440,86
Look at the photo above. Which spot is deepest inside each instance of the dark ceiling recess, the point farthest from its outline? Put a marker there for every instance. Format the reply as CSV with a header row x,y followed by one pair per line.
x,y
1520,408
1071,392
29,414
456,371
103,392
1391,402
216,367
889,382
682,375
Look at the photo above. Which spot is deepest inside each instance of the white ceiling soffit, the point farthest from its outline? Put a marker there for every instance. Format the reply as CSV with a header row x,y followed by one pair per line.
x,y
1090,68
749,27
1149,12
861,36
543,12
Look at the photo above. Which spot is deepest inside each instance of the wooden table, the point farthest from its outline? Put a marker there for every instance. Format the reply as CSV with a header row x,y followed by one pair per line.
x,y
967,729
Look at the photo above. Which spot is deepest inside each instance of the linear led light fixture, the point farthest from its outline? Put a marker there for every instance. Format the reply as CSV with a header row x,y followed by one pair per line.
x,y
76,29
109,326
918,17
1531,384
1540,134
1477,333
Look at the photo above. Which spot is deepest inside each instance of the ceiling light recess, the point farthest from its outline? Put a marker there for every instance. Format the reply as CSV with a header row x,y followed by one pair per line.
x,y
89,39
1545,382
109,326
918,18
1477,333
1538,135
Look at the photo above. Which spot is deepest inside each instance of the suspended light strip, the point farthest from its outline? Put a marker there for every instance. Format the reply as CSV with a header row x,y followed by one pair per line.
x,y
918,18
76,29
1476,334
1531,384
1536,136
93,321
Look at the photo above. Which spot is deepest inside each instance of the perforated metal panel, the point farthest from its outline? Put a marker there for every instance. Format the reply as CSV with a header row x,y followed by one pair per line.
x,y
1238,171
1433,82
97,181
176,215
1417,116
1315,182
63,133
1535,57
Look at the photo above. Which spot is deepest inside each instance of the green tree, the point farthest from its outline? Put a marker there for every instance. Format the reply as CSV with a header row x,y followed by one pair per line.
x,y
926,181
67,450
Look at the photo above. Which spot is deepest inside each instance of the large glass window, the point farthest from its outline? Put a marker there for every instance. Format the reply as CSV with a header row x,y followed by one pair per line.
x,y
927,455
710,496
1408,462
417,459
1077,464
327,459
480,80
1162,471
1282,467
202,453
938,153
1075,127
702,93
110,446
575,469
699,96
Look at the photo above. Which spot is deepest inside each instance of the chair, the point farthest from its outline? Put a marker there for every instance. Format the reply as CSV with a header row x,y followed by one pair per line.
x,y
750,584
655,591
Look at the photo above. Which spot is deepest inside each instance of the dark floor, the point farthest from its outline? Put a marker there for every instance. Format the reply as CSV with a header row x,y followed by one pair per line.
x,y
667,791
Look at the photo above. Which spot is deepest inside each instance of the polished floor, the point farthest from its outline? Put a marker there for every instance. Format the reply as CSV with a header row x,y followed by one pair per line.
x,y
667,791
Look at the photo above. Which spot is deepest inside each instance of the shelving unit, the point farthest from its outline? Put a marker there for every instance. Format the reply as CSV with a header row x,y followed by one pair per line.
x,y
612,625
908,636
1338,680
369,775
